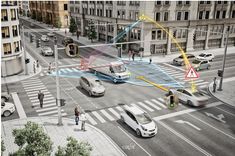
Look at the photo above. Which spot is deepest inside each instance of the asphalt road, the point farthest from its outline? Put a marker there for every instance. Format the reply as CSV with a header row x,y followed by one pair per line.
x,y
199,134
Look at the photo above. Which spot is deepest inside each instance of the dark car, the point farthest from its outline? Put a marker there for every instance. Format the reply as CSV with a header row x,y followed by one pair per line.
x,y
67,40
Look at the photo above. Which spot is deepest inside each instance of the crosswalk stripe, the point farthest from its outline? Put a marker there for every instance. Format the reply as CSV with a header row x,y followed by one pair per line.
x,y
44,102
170,72
134,105
144,106
62,114
28,85
160,104
45,99
151,104
45,105
31,82
38,86
63,70
48,113
33,92
98,117
120,108
202,83
68,69
33,89
114,112
46,109
36,94
195,80
161,99
179,74
90,119
36,97
74,69
107,115
203,86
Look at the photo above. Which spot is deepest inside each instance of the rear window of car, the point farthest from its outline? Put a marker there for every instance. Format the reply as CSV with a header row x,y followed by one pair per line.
x,y
202,55
196,61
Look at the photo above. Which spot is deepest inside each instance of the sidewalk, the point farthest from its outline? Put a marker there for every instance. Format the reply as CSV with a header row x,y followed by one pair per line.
x,y
100,142
22,76
227,95
113,51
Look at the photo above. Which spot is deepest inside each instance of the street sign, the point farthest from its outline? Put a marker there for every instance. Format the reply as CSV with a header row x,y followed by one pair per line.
x,y
191,74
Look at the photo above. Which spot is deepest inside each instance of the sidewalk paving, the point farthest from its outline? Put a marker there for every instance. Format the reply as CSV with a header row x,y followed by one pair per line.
x,y
228,92
100,142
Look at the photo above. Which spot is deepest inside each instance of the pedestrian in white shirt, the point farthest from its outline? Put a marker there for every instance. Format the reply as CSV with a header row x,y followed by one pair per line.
x,y
83,120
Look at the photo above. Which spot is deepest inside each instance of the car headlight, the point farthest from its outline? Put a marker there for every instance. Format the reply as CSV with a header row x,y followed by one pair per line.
x,y
143,128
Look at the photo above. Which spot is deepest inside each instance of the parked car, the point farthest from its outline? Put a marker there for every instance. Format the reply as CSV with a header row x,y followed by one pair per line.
x,y
201,64
206,56
180,60
5,96
92,85
50,34
45,38
139,121
47,51
67,40
188,97
7,108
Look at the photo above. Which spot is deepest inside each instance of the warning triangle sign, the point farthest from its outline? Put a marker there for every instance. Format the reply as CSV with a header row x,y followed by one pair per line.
x,y
191,74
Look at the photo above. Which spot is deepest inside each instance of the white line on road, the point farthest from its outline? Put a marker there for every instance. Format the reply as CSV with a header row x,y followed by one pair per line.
x,y
185,139
225,111
174,67
120,108
49,113
18,105
134,141
144,106
46,98
114,112
46,109
160,104
98,117
90,119
107,115
151,104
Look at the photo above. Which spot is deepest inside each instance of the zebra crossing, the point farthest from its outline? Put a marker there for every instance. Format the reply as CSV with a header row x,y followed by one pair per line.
x,y
112,114
180,76
63,71
32,86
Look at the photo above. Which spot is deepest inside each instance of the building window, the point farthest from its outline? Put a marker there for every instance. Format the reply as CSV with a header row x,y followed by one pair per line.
x,y
158,3
16,47
224,14
159,34
219,2
187,2
14,30
178,16
208,2
7,48
110,13
225,2
167,2
123,14
136,15
153,35
200,14
157,18
13,14
217,14
207,15
65,6
5,32
179,2
166,16
4,15
186,15
233,14
201,2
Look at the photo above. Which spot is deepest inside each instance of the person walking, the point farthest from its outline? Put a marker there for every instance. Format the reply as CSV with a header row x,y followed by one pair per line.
x,y
65,32
133,55
76,113
49,68
214,85
40,98
37,64
77,35
83,119
150,60
34,67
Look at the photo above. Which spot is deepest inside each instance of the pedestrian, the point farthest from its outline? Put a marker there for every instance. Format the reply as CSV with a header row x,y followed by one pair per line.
x,y
76,113
37,64
40,98
34,67
141,55
129,54
77,35
150,60
83,119
65,32
49,68
214,85
133,55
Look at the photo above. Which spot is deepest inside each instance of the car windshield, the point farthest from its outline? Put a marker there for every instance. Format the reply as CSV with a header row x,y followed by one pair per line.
x,y
196,61
143,118
119,68
198,94
202,55
97,83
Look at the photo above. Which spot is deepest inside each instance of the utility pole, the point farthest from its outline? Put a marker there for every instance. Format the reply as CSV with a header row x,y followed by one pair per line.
x,y
224,59
25,64
57,84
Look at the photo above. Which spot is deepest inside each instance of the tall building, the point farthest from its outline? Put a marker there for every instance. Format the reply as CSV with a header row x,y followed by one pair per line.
x,y
12,59
50,12
195,24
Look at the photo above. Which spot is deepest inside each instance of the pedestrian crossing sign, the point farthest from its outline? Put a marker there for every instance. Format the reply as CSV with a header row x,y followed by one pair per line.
x,y
191,73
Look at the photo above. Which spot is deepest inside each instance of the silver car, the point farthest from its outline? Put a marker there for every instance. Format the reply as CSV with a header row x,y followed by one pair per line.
x,y
92,85
201,64
196,98
180,60
47,51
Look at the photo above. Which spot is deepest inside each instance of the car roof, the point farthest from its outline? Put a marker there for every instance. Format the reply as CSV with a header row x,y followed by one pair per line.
x,y
90,77
134,110
204,53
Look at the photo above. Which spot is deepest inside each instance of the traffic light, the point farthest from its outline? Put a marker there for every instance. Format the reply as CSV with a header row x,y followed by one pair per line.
x,y
220,73
194,37
38,43
27,60
172,101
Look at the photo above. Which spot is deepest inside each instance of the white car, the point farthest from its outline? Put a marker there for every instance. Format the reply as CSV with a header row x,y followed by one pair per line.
x,y
139,121
92,85
5,96
45,38
50,34
7,108
196,98
47,51
206,56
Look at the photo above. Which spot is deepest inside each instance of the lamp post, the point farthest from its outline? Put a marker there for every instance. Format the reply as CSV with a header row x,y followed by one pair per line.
x,y
25,64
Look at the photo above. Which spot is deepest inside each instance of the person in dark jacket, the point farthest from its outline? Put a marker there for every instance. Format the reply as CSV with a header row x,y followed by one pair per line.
x,y
76,113
40,98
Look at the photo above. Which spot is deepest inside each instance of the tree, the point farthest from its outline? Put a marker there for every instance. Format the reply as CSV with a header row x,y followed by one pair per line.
x,y
72,26
74,148
32,140
58,23
91,31
3,148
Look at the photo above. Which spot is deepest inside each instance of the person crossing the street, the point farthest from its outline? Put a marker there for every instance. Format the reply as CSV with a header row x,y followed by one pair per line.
x,y
40,98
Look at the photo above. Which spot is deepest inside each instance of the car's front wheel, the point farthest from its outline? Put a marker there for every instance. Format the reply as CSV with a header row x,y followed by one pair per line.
x,y
138,133
7,113
89,92
189,103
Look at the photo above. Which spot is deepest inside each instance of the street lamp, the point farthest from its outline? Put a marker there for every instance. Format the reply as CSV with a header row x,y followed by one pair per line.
x,y
224,59
25,63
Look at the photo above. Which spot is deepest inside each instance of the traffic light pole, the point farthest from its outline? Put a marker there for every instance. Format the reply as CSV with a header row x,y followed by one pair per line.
x,y
57,84
224,59
25,64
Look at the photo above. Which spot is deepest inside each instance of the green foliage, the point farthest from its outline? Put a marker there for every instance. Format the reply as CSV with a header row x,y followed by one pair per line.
x,y
58,23
72,26
91,31
20,152
74,148
3,148
32,140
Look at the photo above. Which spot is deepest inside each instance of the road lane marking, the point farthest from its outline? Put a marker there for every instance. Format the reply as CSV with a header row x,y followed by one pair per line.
x,y
31,82
134,141
144,106
219,117
107,115
90,119
160,104
161,99
114,112
212,126
28,85
36,94
49,113
46,109
185,139
202,83
174,67
18,105
36,97
34,89
120,108
188,123
38,86
62,114
151,104
225,111
98,117
33,92
44,102
45,99
45,106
